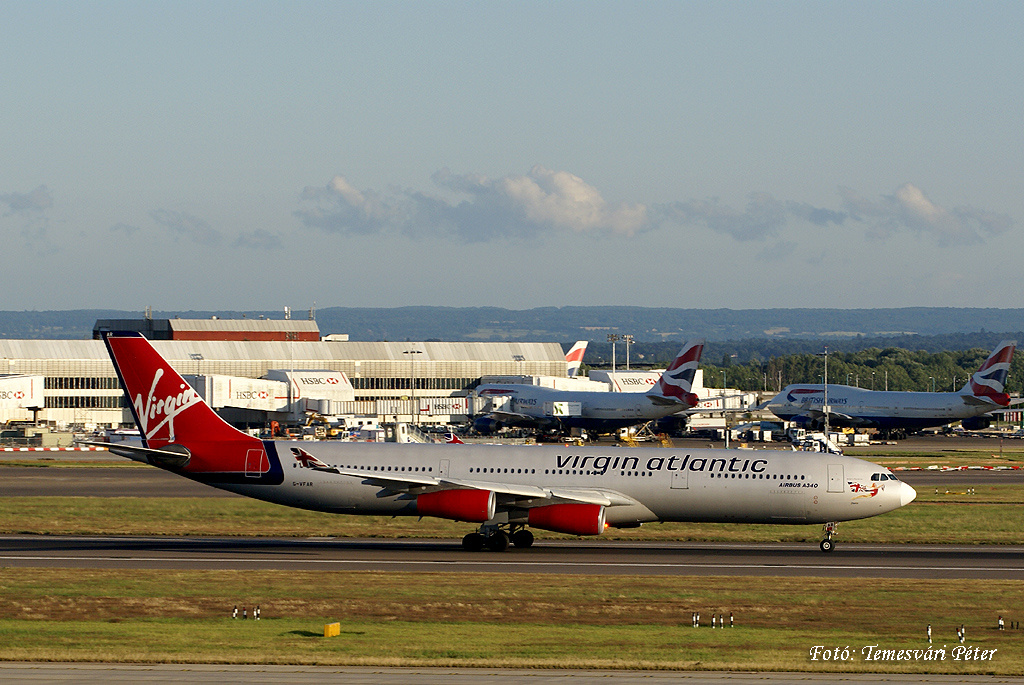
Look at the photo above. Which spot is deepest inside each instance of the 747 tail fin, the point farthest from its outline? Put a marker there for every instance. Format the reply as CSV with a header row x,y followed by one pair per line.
x,y
675,385
989,381
574,358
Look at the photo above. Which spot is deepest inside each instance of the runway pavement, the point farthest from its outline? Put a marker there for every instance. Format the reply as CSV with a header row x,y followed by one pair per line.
x,y
566,557
92,481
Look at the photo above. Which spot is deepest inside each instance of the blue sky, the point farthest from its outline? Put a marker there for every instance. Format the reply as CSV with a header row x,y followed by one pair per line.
x,y
254,155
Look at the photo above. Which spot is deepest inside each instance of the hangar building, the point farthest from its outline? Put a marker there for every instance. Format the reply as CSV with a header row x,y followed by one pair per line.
x,y
253,372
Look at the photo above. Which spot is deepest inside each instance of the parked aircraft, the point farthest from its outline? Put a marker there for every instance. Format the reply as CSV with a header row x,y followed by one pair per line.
x,y
534,406
574,358
893,411
505,489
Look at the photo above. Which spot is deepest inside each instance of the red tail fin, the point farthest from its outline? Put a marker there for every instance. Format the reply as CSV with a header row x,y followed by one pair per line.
x,y
169,412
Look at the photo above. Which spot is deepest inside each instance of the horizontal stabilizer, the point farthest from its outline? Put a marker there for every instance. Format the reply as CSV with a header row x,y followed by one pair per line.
x,y
173,457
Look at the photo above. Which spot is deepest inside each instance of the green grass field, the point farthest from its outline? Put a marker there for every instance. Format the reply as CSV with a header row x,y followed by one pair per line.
x,y
484,620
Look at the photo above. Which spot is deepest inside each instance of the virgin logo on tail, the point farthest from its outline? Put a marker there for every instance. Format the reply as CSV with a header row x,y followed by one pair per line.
x,y
161,400
163,410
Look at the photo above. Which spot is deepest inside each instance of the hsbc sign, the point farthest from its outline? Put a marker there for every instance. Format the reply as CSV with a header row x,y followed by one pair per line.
x,y
328,380
19,392
314,385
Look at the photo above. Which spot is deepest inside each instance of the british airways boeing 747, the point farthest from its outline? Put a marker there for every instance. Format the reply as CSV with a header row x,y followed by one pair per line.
x,y
901,411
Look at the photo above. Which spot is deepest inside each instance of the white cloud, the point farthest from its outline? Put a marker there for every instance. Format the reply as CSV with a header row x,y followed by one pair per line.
x,y
341,208
763,217
909,209
513,207
563,200
187,226
33,201
544,202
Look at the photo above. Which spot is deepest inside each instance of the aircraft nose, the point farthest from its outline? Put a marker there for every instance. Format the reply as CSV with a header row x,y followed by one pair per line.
x,y
907,494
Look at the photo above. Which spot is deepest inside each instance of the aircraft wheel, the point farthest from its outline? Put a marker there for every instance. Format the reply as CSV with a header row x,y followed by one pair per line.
x,y
826,545
522,538
497,541
473,542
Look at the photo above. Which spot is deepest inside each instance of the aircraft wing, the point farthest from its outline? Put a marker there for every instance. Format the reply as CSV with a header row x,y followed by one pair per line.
x,y
384,480
510,494
511,416
519,419
818,415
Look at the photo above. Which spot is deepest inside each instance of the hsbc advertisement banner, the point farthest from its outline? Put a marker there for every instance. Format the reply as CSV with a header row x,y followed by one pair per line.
x,y
444,406
318,385
240,393
21,392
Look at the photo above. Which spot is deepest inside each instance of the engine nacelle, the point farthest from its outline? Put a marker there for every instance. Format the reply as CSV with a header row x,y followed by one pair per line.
x,y
575,519
475,506
976,423
485,425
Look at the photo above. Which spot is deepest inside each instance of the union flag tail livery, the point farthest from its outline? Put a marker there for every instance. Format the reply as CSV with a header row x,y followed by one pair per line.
x,y
677,381
989,381
574,358
178,428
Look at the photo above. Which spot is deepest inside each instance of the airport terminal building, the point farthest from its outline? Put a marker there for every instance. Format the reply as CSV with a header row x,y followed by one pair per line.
x,y
257,370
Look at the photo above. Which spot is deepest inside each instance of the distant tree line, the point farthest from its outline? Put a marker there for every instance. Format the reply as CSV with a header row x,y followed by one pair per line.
x,y
940,363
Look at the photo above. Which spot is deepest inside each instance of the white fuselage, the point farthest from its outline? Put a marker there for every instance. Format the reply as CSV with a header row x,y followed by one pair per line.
x,y
642,484
581,409
858,407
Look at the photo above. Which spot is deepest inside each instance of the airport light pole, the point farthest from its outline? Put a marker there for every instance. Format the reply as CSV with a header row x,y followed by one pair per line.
x,y
932,379
413,408
824,402
613,338
628,340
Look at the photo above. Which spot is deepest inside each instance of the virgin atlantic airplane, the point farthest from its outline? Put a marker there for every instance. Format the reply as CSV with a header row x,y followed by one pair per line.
x,y
506,490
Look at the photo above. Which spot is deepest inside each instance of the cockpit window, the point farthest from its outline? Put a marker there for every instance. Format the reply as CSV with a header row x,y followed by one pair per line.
x,y
876,476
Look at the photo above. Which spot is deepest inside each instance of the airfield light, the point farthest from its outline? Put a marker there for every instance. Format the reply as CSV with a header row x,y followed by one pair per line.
x,y
613,338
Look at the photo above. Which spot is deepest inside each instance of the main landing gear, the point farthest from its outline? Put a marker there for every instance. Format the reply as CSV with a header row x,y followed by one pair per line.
x,y
494,539
826,544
